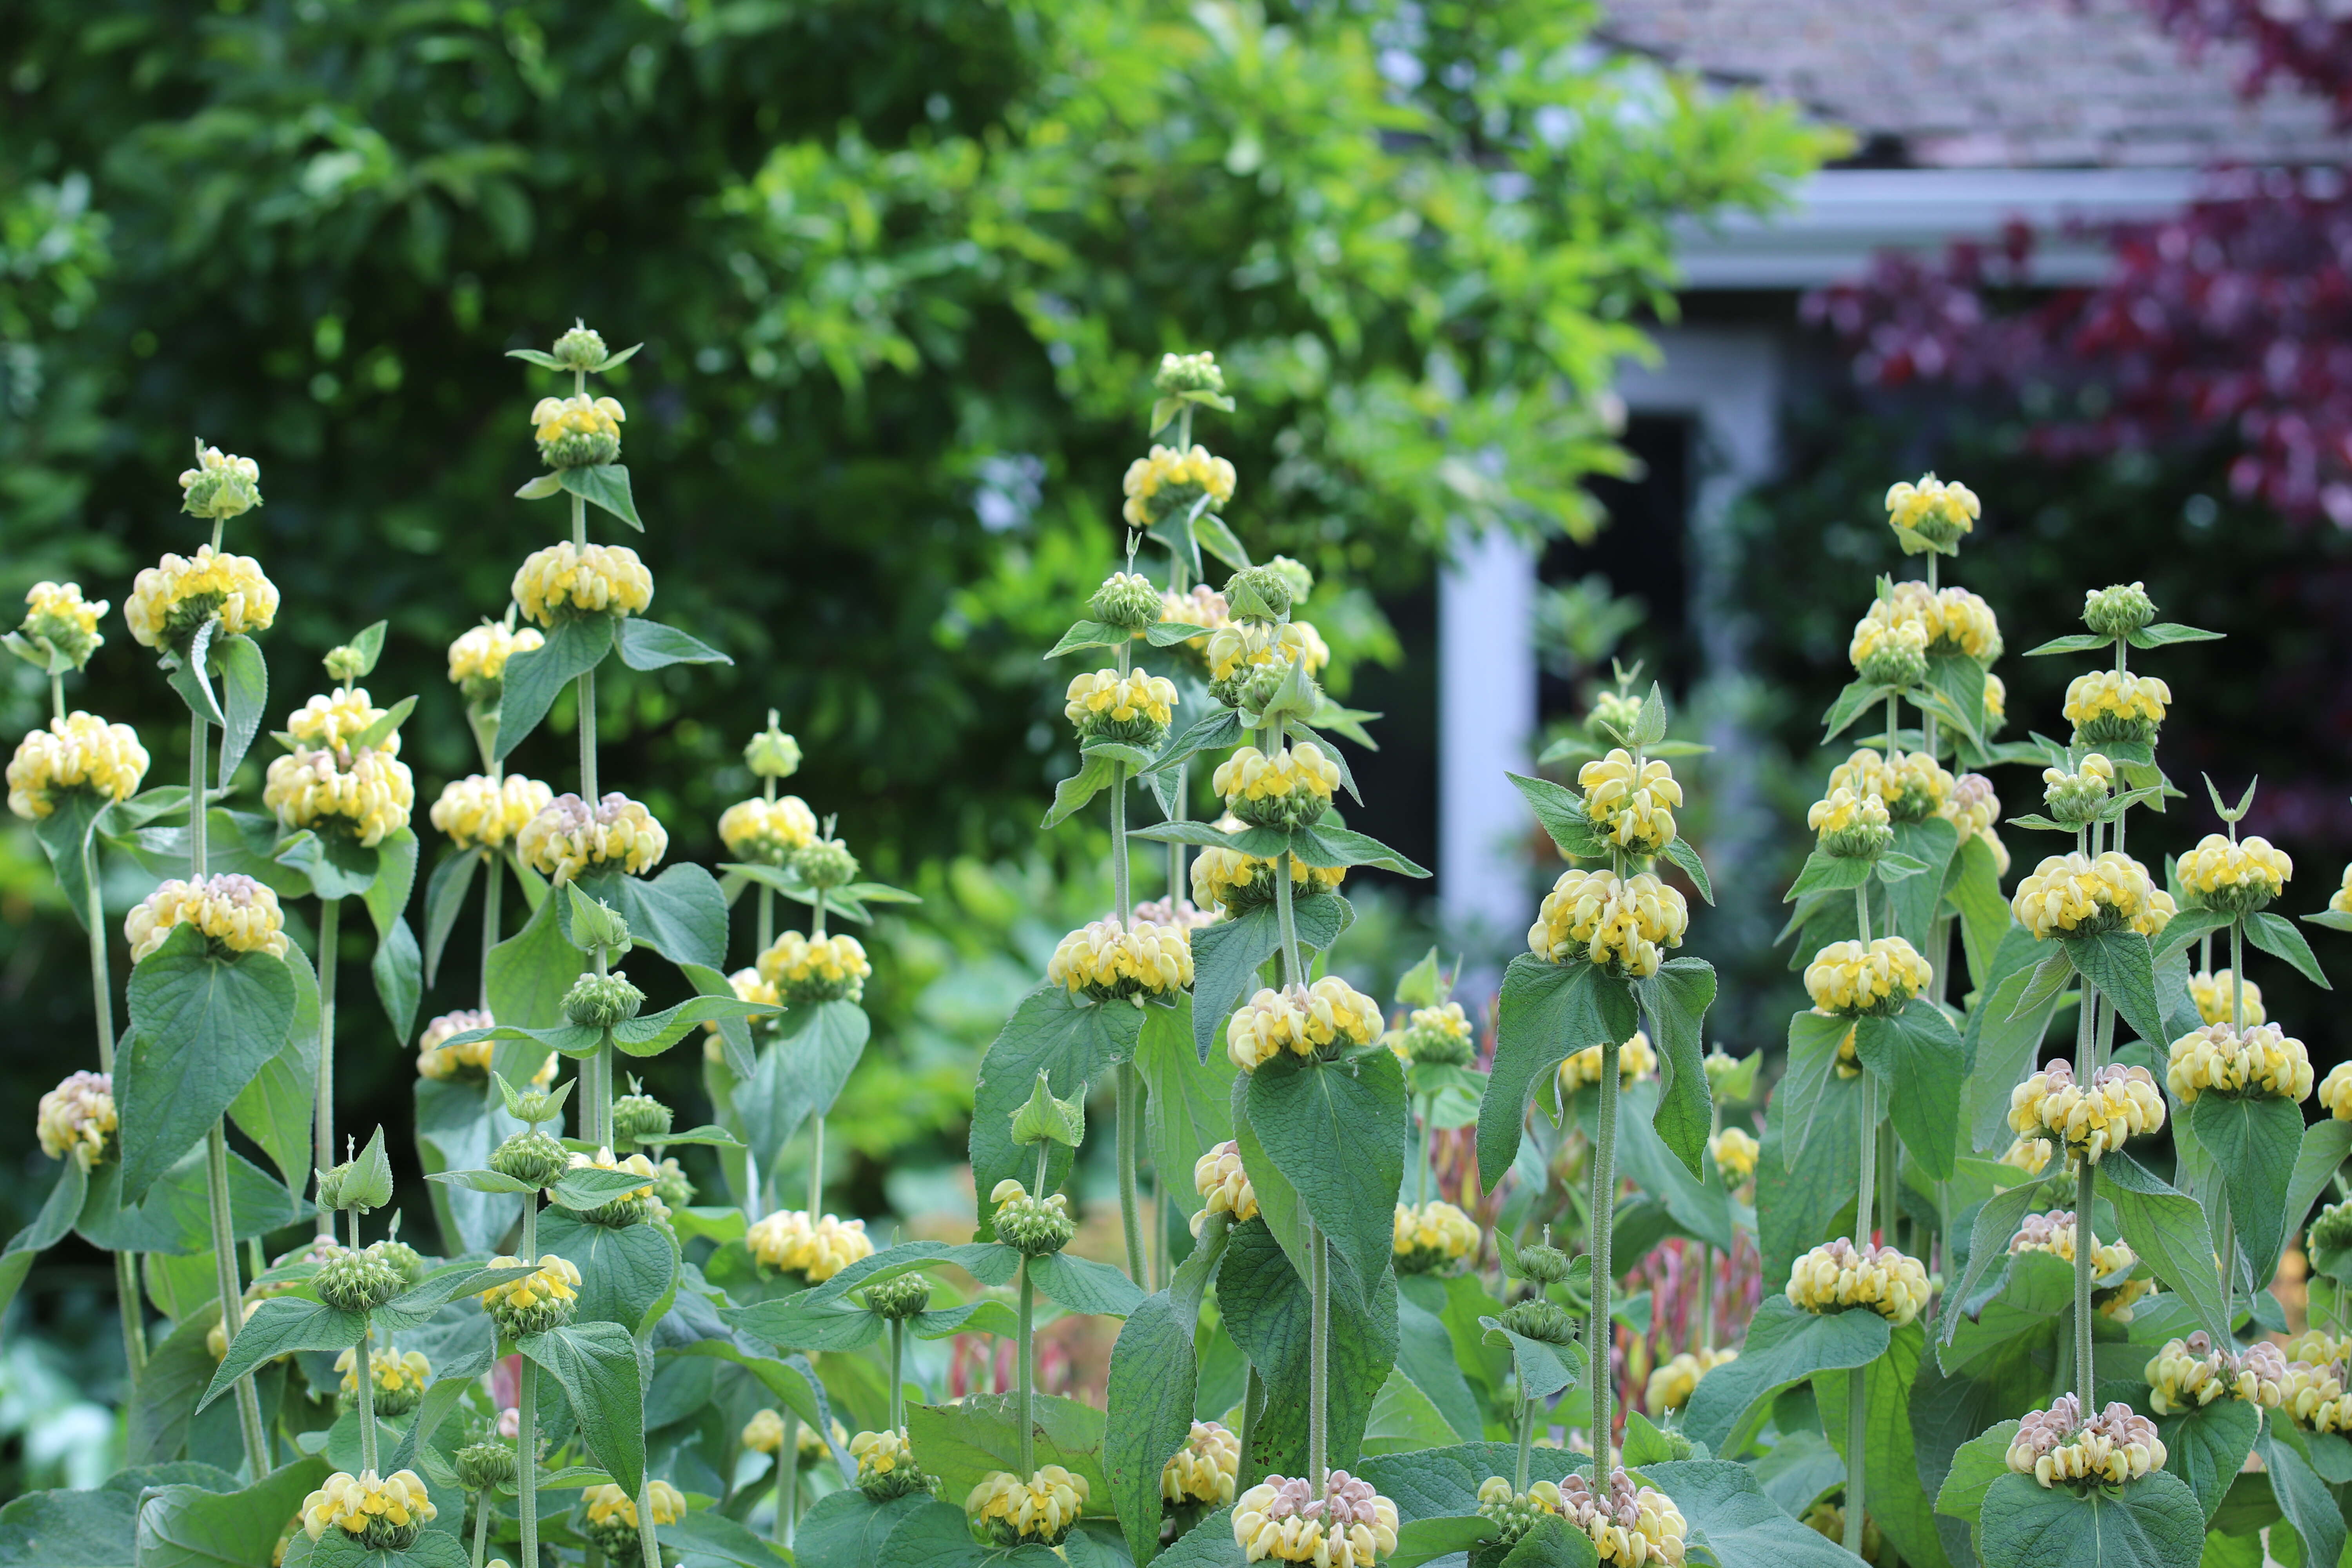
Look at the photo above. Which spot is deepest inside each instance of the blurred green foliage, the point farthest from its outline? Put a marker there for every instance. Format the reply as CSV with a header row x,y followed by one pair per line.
x,y
903,269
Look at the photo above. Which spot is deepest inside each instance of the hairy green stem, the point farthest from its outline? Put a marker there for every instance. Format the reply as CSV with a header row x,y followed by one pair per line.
x,y
1866,1189
101,987
481,1529
135,1316
598,1113
1526,1443
527,1413
1252,1397
1027,1374
364,1376
1857,1436
1129,1110
645,1537
897,1373
788,1481
232,1302
197,824
1600,1335
817,1168
322,1118
1429,1147
1319,1352
2084,1243
588,737
494,887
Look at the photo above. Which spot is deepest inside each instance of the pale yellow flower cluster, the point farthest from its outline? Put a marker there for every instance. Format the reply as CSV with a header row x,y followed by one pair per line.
x,y
2031,1155
1913,785
1206,1469
56,614
2189,1373
2057,1445
2079,796
1636,1060
80,752
1431,1235
1440,1033
1169,480
1346,1525
565,580
2106,707
2313,1390
1219,1178
396,1373
815,968
1301,1019
1202,607
2235,876
1734,1152
578,431
764,1433
78,1117
609,1505
384,1511
1111,962
1227,878
1854,980
2074,895
767,831
368,793
2055,1233
480,655
1624,925
478,812
2341,900
1291,787
1888,648
1837,1275
2265,1062
1851,824
1930,513
230,908
332,720
440,1062
1630,1526
1631,803
748,987
2118,1104
2211,995
1996,699
171,598
1672,1383
1103,699
221,485
569,836
556,1280
786,1240
1043,1509
1916,621
1974,809
603,1160
880,1454
1234,647
2335,1092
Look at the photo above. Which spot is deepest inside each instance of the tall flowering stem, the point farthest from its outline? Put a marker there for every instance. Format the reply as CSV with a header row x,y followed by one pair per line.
x,y
1598,1333
322,1119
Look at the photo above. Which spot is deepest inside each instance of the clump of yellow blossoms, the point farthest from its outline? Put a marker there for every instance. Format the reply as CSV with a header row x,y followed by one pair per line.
x,y
1623,923
1934,514
2313,1391
230,908
2340,901
538,1301
804,969
1135,709
1973,808
2118,1104
439,1060
764,1433
1636,1060
886,1466
2211,995
1851,827
1007,1511
2079,796
367,794
1329,1015
2265,1062
1913,785
1631,1526
1433,1236
2055,1233
570,837
2073,895
171,598
1168,481
565,581
478,812
1241,654
767,831
399,1379
1888,649
2188,1374
1878,980
787,1241
2335,1092
577,432
612,1515
221,486
1631,803
1204,1469
1955,620
1672,1383
1440,1035
80,752
1229,879
2109,708
2236,877
1113,964
334,720
1837,1275
1219,1178
1734,1152
1289,789
1346,1525
477,659
383,1513
2057,1445
78,1117
56,614
2031,1155
628,1206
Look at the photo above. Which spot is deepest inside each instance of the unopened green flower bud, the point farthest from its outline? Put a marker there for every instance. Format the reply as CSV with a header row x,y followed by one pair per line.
x,y
411,1263
582,348
2117,611
1678,1445
481,1467
534,1158
640,1119
771,753
1035,1227
537,1105
824,863
1300,580
601,1000
1514,1513
1536,1319
1543,1263
1257,688
221,485
2333,1228
1613,716
1258,594
1894,662
1126,600
1720,1065
1189,372
358,1281
346,663
671,1186
899,1297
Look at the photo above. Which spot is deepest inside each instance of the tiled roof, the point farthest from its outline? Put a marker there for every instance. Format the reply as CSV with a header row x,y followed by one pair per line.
x,y
1989,83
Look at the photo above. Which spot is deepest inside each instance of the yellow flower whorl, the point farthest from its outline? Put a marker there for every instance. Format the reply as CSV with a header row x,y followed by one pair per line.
x,y
1854,826
171,598
1328,1015
2057,1445
1237,649
1912,785
1631,805
1169,480
1837,1275
1734,1152
231,908
2265,1062
1851,980
2055,1234
1137,707
803,969
1933,514
2107,708
767,831
577,432
387,1512
2074,895
788,1242
78,1117
564,580
1044,1509
1672,1383
57,614
2118,1104
1636,1060
478,658
1204,1469
2335,1092
1624,925
569,836
1289,789
2211,995
478,812
1433,1236
2235,877
610,1506
1113,963
1348,1525
368,795
79,752
395,1372
556,1281
221,486
1219,1178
